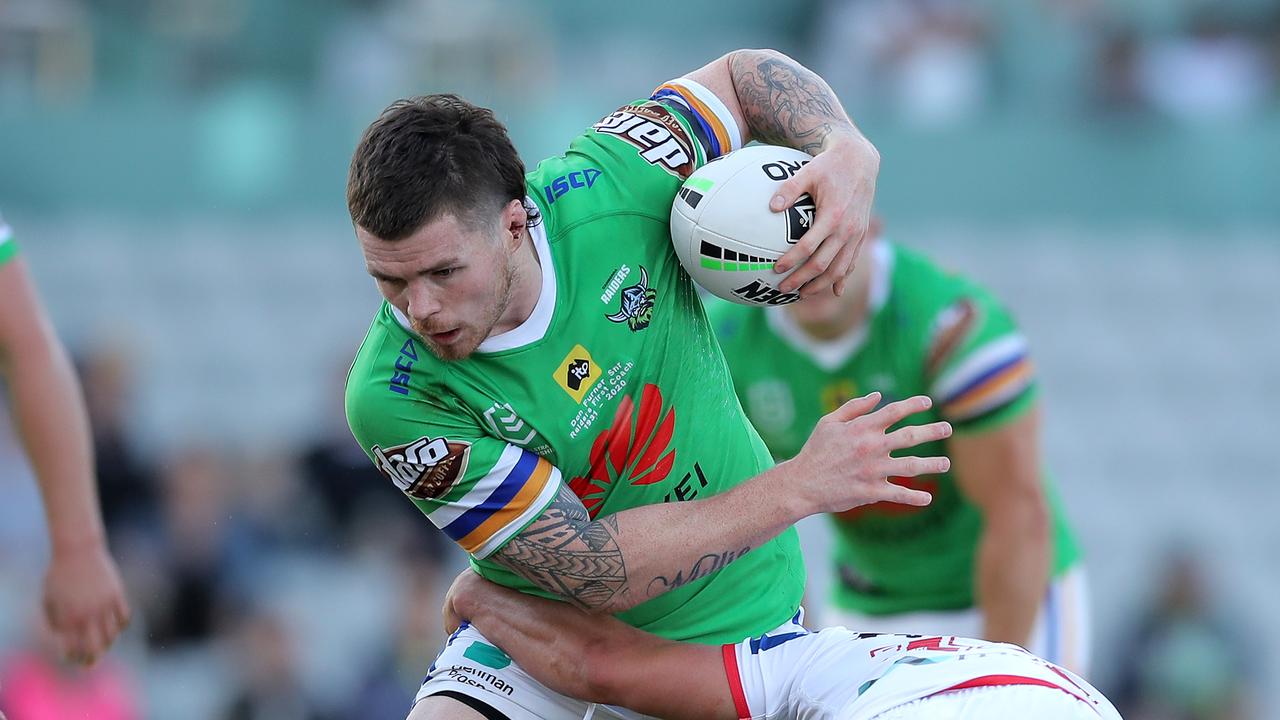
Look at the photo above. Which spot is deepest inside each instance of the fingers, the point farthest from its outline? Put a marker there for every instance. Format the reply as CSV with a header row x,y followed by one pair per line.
x,y
913,435
845,262
856,407
808,277
896,411
917,466
824,225
903,495
790,191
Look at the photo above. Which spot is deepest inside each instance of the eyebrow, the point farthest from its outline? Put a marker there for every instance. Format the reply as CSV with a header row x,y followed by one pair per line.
x,y
445,263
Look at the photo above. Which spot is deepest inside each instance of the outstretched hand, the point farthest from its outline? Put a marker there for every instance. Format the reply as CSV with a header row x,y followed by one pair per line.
x,y
84,602
846,461
842,182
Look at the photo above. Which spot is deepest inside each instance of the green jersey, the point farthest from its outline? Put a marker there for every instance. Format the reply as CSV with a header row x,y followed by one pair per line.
x,y
929,333
614,387
8,248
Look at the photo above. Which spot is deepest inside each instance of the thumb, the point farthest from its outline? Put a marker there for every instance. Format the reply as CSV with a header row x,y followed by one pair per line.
x,y
790,191
856,407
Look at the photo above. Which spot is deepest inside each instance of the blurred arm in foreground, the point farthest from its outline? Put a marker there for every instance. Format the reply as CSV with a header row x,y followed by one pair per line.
x,y
83,597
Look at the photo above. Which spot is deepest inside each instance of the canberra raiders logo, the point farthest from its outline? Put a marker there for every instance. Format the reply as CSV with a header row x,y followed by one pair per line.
x,y
637,304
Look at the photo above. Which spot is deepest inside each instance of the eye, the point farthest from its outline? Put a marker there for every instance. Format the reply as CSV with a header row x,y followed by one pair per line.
x,y
446,272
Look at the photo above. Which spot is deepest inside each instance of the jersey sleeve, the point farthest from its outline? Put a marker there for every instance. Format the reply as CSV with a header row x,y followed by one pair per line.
x,y
8,248
977,366
479,490
659,141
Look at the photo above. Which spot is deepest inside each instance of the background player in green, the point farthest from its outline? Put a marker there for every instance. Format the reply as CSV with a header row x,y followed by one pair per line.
x,y
84,600
543,384
992,555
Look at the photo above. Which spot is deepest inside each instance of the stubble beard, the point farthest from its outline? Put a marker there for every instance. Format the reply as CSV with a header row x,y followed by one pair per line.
x,y
472,335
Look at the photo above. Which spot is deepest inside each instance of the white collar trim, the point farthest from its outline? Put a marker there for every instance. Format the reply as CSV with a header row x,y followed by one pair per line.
x,y
535,327
831,354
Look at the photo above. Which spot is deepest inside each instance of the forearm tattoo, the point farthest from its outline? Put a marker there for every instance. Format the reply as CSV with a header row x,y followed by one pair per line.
x,y
784,103
567,553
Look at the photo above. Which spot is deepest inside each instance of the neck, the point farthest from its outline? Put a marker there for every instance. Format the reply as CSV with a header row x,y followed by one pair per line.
x,y
526,286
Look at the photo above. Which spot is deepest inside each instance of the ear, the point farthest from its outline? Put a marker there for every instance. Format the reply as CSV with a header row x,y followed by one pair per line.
x,y
514,220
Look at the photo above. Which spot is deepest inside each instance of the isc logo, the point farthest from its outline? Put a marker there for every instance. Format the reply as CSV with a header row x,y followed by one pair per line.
x,y
565,183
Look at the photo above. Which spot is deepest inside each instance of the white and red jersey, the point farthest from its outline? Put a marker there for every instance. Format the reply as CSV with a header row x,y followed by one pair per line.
x,y
838,674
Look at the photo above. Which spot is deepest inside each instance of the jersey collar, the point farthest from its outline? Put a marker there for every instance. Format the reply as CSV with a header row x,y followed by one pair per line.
x,y
535,327
832,354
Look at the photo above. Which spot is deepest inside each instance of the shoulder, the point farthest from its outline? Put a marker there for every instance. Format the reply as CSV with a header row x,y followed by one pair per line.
x,y
393,376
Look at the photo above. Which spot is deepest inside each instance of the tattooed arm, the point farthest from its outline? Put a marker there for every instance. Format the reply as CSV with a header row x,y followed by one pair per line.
x,y
778,101
618,561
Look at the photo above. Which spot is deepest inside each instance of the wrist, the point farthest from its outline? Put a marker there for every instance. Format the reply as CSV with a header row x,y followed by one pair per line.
x,y
789,482
81,540
853,143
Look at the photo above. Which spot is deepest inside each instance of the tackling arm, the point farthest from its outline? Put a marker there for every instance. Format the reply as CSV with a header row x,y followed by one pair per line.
x,y
593,658
999,470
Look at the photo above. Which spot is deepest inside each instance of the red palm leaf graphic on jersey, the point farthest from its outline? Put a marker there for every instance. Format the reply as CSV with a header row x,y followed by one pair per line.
x,y
638,450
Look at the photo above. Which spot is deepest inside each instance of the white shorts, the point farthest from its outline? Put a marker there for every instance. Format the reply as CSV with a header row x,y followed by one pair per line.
x,y
997,703
1060,634
471,665
839,674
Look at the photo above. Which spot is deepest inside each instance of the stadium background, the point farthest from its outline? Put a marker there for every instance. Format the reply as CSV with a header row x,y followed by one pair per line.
x,y
174,171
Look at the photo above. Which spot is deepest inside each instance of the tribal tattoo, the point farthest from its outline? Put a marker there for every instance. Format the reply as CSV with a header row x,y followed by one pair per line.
x,y
784,103
567,553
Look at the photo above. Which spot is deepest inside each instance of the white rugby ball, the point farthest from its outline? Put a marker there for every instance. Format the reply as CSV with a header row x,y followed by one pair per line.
x,y
724,233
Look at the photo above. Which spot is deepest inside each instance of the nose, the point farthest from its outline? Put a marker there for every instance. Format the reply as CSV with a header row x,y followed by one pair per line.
x,y
422,302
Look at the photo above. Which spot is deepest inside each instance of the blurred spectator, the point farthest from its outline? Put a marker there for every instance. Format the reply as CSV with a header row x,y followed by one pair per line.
x,y
126,483
1117,84
1214,71
35,685
927,59
1182,663
270,688
393,680
203,538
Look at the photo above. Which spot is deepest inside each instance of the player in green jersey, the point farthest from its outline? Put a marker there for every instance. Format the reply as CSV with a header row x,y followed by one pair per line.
x,y
992,555
84,600
542,381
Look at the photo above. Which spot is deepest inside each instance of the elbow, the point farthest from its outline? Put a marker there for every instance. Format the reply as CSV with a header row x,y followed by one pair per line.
x,y
1026,520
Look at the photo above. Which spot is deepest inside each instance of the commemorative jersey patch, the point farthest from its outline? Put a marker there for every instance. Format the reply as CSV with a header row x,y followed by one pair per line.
x,y
653,130
427,468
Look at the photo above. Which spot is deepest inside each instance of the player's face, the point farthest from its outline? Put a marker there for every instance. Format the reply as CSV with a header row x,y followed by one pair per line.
x,y
452,281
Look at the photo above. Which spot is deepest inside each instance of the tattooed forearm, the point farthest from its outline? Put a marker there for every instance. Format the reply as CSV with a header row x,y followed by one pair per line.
x,y
784,103
703,567
567,553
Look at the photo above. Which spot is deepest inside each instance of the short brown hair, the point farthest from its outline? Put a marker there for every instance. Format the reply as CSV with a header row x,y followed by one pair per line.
x,y
427,156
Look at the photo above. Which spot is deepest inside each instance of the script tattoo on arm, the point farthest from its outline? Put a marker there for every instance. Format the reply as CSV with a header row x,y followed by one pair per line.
x,y
702,567
784,103
567,553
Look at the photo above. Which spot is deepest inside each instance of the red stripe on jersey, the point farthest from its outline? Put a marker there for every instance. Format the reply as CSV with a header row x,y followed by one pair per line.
x,y
730,654
997,680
